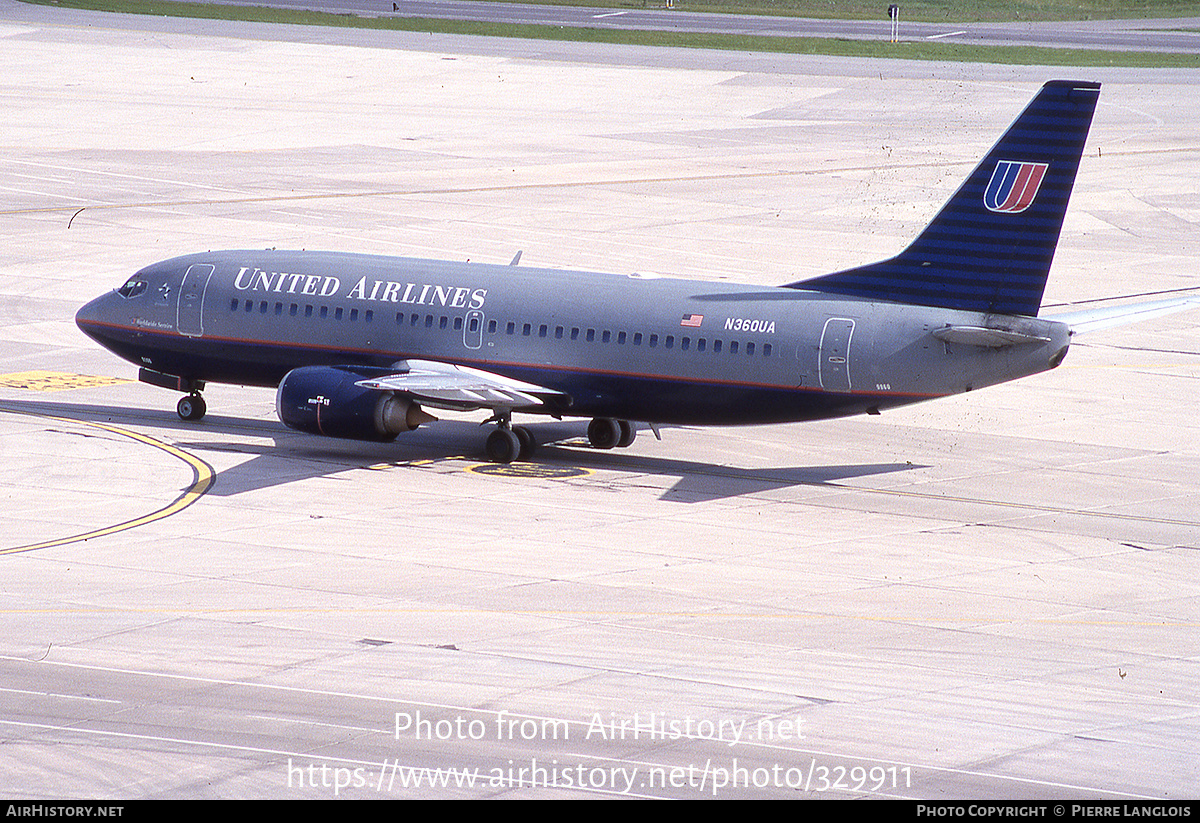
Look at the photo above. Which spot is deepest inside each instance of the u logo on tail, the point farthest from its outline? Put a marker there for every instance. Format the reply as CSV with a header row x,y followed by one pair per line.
x,y
1013,186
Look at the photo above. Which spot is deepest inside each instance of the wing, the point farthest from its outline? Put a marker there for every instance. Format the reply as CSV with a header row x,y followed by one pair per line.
x,y
1090,320
461,388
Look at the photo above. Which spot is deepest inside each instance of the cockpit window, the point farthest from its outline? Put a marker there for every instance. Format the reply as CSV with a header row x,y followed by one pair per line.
x,y
133,287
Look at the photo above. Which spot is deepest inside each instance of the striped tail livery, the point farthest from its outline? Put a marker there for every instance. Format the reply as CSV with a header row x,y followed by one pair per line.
x,y
990,247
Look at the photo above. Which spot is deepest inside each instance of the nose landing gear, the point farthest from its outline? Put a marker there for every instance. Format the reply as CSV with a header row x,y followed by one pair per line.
x,y
191,407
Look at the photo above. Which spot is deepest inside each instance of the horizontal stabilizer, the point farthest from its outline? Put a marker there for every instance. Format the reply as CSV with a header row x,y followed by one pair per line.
x,y
986,337
1090,320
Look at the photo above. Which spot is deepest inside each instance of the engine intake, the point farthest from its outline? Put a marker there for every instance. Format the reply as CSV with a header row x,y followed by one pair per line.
x,y
325,400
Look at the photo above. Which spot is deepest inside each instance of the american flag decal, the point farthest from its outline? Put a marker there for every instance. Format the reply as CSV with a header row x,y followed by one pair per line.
x,y
1013,186
692,320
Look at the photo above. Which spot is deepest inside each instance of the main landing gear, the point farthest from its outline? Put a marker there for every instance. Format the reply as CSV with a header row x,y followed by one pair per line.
x,y
507,442
606,433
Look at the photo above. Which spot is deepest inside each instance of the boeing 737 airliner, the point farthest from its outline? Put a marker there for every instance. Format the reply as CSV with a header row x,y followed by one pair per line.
x,y
359,346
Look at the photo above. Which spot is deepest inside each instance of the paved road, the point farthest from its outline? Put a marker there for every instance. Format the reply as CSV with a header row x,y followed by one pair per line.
x,y
1181,35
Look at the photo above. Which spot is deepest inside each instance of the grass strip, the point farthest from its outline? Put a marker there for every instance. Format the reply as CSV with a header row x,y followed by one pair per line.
x,y
950,12
920,50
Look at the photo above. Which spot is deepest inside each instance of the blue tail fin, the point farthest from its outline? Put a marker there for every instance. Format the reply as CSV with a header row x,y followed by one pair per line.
x,y
989,249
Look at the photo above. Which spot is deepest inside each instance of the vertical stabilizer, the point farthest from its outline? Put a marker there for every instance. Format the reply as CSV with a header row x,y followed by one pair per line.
x,y
990,247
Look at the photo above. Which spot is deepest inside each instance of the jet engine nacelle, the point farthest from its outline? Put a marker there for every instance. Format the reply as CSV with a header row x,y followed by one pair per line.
x,y
325,400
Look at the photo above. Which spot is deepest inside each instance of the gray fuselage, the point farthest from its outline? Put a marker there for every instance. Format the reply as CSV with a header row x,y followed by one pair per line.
x,y
653,349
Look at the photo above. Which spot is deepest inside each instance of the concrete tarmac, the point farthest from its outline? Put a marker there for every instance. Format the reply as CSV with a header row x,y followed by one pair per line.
x,y
991,596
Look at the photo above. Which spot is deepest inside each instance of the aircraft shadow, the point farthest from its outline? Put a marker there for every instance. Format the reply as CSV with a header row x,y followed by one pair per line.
x,y
293,456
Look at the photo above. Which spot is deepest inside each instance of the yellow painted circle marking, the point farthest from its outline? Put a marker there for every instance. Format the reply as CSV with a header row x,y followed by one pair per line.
x,y
202,480
529,470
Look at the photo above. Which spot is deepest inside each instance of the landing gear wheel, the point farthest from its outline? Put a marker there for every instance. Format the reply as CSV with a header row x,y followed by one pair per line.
x,y
503,446
628,433
604,433
528,444
191,407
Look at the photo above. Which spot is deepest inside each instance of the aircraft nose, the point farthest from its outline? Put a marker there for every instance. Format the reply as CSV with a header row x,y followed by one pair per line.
x,y
87,314
91,316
